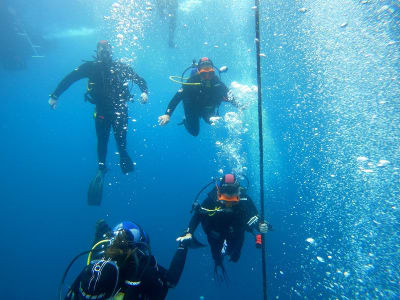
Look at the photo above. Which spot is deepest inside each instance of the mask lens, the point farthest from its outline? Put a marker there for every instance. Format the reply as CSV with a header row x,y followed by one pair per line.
x,y
206,73
104,52
228,198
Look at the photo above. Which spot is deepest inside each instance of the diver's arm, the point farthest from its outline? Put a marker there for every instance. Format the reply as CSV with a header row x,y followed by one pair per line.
x,y
139,81
82,71
174,102
152,284
231,99
198,216
164,119
177,265
227,96
254,222
194,222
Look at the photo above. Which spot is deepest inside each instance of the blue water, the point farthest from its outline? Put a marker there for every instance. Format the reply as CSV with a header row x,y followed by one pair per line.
x,y
331,130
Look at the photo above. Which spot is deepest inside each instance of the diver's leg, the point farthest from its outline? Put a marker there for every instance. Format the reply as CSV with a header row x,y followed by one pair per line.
x,y
235,243
192,119
216,242
177,264
120,128
103,126
207,113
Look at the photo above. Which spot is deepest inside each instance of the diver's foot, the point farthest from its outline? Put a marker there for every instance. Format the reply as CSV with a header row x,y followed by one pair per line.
x,y
102,167
126,164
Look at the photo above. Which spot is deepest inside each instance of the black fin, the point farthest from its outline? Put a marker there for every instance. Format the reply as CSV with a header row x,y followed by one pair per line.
x,y
126,164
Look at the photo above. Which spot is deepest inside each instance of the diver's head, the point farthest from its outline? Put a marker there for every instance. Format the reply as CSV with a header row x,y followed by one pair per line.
x,y
228,190
104,51
127,237
205,68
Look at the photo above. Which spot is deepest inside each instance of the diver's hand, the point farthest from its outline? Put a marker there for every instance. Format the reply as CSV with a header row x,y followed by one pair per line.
x,y
185,238
263,227
163,120
53,103
143,98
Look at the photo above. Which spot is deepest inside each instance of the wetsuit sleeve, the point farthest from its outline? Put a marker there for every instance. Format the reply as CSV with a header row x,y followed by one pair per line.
x,y
139,81
82,71
198,216
153,284
177,265
194,222
228,98
174,102
253,219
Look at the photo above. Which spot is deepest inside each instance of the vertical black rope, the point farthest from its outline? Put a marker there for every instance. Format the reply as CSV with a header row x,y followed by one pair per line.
x,y
261,143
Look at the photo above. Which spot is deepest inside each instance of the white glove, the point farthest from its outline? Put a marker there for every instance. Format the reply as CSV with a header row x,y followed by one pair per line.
x,y
263,227
163,120
53,103
186,237
144,97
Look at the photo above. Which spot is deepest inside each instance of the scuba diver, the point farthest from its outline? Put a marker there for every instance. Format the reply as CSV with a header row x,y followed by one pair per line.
x,y
108,89
120,266
225,215
202,94
167,10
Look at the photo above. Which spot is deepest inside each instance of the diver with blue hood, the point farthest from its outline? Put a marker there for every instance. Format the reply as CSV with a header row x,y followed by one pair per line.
x,y
202,94
109,89
121,267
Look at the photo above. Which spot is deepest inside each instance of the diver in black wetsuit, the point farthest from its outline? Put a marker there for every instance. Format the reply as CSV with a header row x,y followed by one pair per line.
x,y
125,269
167,10
201,95
108,89
225,215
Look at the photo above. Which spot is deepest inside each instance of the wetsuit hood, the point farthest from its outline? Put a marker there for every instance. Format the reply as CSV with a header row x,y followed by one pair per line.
x,y
104,52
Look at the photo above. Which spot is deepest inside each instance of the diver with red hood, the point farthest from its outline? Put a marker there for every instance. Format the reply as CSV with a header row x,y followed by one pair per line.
x,y
225,215
201,94
108,88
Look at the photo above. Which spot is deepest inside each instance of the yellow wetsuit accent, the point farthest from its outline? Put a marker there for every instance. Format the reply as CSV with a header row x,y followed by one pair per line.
x,y
212,212
181,80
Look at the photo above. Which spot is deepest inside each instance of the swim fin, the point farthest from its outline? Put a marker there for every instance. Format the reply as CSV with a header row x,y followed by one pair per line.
x,y
126,164
95,192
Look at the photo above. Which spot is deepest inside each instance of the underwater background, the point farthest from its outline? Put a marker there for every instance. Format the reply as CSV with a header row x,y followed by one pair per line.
x,y
331,99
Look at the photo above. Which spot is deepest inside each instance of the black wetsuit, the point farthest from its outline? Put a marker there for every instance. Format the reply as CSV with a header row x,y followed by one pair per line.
x,y
228,225
108,89
199,101
149,281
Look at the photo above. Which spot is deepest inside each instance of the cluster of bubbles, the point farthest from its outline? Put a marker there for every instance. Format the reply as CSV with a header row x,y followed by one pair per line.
x,y
128,20
231,151
345,145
